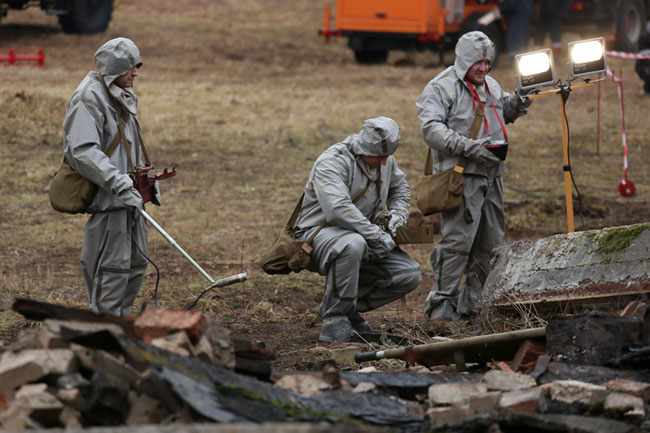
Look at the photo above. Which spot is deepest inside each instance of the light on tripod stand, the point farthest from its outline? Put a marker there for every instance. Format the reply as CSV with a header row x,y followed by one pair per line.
x,y
535,69
587,57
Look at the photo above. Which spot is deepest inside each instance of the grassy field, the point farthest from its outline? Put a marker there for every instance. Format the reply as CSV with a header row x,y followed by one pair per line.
x,y
241,96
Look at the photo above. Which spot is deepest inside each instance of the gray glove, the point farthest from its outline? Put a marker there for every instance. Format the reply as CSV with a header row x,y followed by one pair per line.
x,y
131,198
477,151
395,222
379,249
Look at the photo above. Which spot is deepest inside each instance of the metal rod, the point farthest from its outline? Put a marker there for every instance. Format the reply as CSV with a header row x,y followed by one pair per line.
x,y
178,247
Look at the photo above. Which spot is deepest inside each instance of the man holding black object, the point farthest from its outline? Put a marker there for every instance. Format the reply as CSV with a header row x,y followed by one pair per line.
x,y
446,112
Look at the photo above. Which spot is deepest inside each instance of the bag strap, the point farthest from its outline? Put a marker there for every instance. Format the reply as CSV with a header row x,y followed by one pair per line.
x,y
473,133
122,117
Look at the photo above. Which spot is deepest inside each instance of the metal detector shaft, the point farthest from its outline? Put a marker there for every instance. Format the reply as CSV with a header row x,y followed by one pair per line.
x,y
175,245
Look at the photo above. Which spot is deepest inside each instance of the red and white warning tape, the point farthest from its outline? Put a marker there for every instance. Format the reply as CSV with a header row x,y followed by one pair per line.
x,y
625,55
626,186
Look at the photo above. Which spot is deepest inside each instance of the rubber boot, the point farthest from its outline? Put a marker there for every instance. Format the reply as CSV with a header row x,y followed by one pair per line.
x,y
336,328
360,324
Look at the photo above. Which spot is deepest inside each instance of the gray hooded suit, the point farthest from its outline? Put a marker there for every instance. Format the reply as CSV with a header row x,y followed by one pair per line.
x,y
112,266
364,269
445,115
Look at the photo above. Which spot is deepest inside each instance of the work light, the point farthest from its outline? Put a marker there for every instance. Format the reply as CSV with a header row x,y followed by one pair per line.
x,y
535,69
587,57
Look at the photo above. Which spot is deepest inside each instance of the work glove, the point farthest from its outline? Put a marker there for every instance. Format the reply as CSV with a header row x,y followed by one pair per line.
x,y
380,248
131,199
477,152
395,222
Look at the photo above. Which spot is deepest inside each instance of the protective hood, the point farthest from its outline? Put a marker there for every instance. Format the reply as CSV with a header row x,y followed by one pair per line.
x,y
117,57
378,137
471,48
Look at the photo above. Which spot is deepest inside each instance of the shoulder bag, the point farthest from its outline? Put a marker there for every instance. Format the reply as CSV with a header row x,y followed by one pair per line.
x,y
443,192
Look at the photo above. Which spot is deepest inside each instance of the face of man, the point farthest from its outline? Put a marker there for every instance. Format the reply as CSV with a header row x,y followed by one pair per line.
x,y
127,79
478,71
374,161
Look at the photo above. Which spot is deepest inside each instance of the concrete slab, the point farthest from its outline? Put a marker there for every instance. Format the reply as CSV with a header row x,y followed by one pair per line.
x,y
614,260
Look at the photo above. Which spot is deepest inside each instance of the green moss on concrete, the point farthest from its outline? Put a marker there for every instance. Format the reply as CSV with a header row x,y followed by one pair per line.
x,y
619,238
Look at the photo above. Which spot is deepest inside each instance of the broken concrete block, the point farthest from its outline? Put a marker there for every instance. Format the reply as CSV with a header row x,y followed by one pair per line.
x,y
32,364
70,418
146,410
85,355
365,387
625,403
158,322
304,384
454,393
609,260
485,402
177,342
591,340
15,417
528,400
73,398
117,367
51,340
574,391
44,408
639,389
108,403
223,349
32,388
203,350
497,380
449,415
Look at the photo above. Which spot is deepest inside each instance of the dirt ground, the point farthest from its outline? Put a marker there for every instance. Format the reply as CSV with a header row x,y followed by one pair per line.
x,y
241,96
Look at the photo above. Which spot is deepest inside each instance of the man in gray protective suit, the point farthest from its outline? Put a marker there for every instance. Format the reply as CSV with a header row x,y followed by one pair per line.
x,y
349,186
115,240
446,113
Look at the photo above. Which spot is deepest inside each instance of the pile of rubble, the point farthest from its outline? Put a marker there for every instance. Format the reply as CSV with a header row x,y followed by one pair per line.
x,y
176,368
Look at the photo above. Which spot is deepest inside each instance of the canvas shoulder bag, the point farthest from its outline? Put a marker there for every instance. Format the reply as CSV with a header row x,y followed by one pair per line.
x,y
70,192
287,254
443,192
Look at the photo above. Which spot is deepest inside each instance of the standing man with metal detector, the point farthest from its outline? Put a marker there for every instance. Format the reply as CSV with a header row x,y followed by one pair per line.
x,y
447,109
102,142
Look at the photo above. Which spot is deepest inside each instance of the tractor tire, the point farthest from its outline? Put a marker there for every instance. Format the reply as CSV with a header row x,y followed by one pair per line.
x,y
86,16
492,30
630,24
370,57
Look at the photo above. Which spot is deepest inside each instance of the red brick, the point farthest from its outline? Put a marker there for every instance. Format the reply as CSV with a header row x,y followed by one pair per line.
x,y
158,322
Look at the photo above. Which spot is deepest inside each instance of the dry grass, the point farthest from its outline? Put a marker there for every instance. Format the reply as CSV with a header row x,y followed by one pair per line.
x,y
241,95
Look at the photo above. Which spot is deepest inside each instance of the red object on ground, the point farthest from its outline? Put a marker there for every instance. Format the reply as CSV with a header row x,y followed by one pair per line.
x,y
23,56
158,322
626,188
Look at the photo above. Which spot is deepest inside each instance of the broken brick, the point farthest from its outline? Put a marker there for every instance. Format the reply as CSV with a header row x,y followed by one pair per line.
x,y
449,415
528,400
639,389
158,322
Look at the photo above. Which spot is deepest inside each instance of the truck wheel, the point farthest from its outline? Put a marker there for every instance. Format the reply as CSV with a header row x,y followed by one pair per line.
x,y
630,24
86,16
492,30
370,57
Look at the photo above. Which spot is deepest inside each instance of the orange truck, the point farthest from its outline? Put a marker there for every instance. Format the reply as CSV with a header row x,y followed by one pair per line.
x,y
373,27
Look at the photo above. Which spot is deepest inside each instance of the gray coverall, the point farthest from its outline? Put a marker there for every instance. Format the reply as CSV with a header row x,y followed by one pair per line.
x,y
113,268
364,269
445,115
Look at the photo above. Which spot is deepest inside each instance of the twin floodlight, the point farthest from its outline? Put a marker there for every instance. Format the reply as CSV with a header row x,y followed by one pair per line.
x,y
536,70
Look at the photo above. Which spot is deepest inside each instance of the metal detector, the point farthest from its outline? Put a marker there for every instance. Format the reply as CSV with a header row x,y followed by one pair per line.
x,y
218,283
